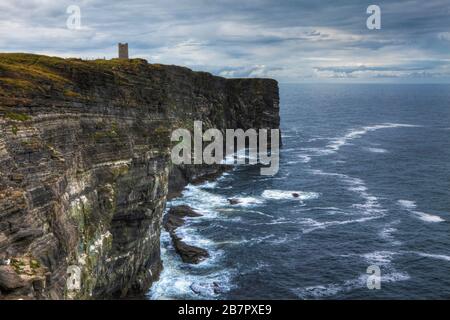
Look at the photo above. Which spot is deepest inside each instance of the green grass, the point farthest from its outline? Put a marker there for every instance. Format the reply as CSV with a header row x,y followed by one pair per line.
x,y
17,116
14,129
28,75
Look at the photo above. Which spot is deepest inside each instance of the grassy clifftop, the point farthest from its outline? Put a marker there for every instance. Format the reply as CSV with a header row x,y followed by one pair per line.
x,y
27,76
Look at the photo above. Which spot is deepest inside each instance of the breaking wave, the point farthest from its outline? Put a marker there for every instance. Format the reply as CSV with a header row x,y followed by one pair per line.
x,y
339,142
289,195
376,150
410,206
335,144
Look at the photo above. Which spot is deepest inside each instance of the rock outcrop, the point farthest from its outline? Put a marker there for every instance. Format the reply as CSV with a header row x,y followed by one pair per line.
x,y
174,219
85,166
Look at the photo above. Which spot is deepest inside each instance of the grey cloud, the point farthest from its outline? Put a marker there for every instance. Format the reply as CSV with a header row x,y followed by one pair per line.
x,y
247,72
421,69
289,40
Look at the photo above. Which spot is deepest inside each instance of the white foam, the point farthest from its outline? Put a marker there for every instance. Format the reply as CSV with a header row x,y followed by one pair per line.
x,y
281,220
209,185
319,291
428,217
323,225
319,138
411,205
394,277
370,206
257,240
281,240
247,201
376,150
329,209
407,204
243,156
260,265
380,258
251,241
189,235
316,151
358,188
329,290
288,195
433,256
387,231
337,143
259,213
177,281
304,158
195,195
223,176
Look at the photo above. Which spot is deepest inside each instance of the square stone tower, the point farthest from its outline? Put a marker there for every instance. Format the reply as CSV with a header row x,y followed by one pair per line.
x,y
123,50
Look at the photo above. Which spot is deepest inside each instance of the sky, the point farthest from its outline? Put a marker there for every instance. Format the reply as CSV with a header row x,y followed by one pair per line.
x,y
291,41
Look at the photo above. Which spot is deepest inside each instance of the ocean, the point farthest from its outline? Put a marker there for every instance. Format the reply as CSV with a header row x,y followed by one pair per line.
x,y
371,163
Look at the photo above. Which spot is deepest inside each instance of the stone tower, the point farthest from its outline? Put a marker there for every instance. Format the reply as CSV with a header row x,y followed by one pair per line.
x,y
123,50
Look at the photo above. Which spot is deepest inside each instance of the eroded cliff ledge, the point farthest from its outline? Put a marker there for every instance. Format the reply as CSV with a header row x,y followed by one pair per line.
x,y
85,165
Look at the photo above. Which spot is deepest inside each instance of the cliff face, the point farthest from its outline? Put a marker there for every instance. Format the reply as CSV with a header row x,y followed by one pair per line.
x,y
85,165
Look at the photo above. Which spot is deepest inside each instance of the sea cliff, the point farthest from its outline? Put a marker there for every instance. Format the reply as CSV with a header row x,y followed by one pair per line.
x,y
85,166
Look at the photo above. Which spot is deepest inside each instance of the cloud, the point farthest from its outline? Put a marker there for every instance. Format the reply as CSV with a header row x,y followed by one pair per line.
x,y
258,71
444,36
289,40
419,69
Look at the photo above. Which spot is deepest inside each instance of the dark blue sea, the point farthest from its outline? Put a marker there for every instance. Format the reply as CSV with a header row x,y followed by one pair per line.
x,y
371,164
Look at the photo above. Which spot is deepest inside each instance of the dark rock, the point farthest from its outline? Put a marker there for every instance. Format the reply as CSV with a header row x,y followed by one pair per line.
x,y
39,284
188,253
206,289
183,211
172,222
174,218
9,279
26,234
195,288
217,288
234,201
295,195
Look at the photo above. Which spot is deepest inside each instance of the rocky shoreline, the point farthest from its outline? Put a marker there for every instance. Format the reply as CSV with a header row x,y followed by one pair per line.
x,y
85,169
173,219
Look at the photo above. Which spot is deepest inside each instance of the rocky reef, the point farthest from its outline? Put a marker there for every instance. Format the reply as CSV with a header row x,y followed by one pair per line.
x,y
174,219
85,167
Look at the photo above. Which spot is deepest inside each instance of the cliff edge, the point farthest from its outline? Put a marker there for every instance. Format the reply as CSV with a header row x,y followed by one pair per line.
x,y
85,166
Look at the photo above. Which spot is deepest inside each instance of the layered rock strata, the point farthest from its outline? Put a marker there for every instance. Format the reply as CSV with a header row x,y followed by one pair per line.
x,y
85,166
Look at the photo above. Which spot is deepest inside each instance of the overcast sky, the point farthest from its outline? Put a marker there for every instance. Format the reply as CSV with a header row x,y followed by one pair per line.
x,y
292,41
